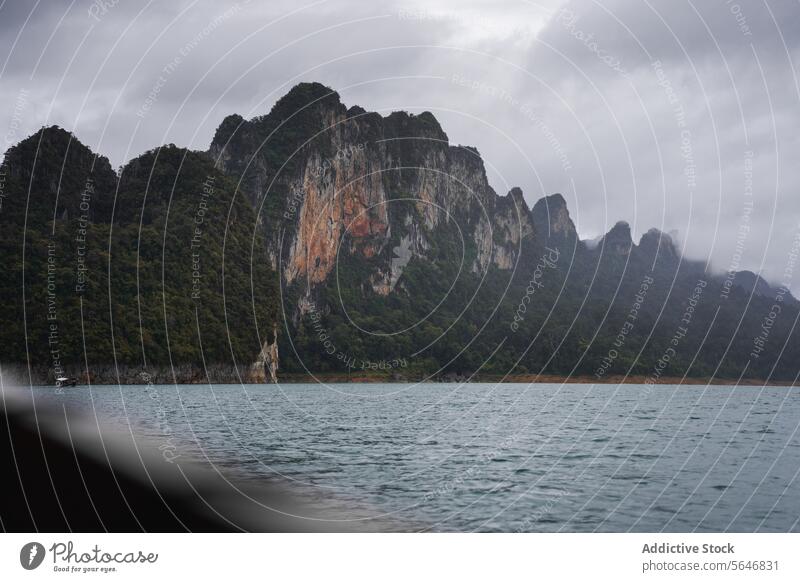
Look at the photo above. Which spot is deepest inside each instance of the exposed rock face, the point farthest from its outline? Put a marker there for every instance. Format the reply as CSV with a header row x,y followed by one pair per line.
x,y
383,197
265,368
358,183
331,182
500,238
551,221
384,283
348,201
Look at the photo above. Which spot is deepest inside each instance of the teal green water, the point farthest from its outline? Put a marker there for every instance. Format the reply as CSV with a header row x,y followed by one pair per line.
x,y
506,457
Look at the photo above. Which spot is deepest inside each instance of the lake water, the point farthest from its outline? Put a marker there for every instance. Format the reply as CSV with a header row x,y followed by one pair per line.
x,y
485,457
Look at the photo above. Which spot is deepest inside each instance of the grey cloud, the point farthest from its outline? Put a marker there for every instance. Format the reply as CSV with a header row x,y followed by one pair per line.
x,y
490,71
637,32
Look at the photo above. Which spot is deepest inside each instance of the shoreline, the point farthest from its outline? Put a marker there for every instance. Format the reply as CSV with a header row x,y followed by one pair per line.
x,y
107,375
529,379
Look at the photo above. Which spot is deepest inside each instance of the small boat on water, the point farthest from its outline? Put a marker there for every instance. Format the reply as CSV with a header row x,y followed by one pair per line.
x,y
62,381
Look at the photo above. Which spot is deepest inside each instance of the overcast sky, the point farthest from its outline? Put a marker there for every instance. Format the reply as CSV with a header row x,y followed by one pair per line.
x,y
670,114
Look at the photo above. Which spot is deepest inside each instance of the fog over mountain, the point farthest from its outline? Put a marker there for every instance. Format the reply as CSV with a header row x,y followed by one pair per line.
x,y
675,115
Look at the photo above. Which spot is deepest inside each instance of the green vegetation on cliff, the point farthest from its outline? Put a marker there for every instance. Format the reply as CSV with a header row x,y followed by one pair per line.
x,y
155,268
396,257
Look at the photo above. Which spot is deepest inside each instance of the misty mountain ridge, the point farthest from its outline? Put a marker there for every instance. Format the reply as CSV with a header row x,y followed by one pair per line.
x,y
347,240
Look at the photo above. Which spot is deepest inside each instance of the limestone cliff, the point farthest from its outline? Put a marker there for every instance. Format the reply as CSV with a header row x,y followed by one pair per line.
x,y
390,250
329,180
330,183
618,240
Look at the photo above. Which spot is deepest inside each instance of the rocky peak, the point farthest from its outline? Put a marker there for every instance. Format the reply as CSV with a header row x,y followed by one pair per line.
x,y
511,228
551,220
305,99
750,282
227,128
51,147
59,170
226,132
618,241
328,176
658,245
401,124
516,196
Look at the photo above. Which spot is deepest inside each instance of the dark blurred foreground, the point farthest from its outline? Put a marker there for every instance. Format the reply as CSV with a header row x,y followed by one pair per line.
x,y
63,472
